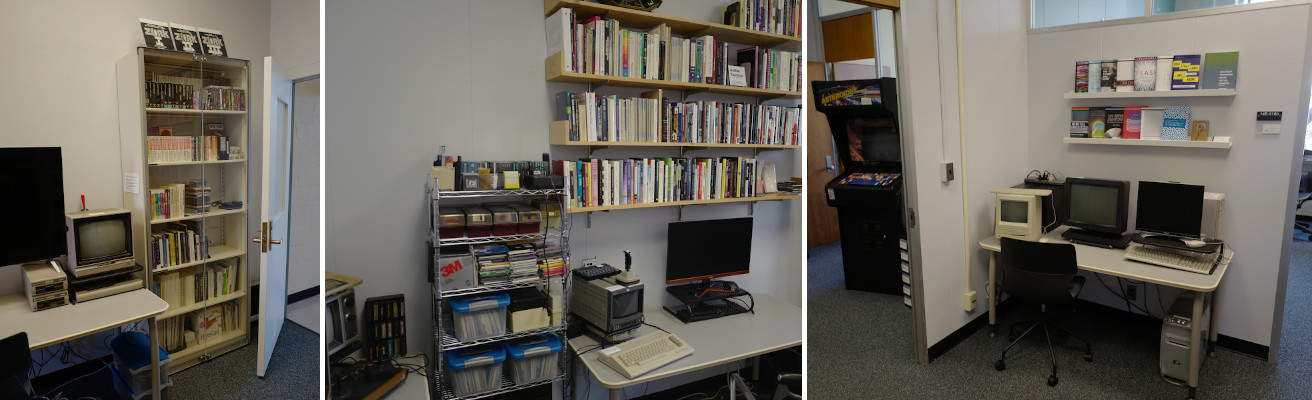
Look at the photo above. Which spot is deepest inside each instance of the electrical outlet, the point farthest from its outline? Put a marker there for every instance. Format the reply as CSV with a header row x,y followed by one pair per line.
x,y
945,172
1132,292
970,300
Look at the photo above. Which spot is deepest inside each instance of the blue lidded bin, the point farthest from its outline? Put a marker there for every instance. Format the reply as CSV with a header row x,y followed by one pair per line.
x,y
475,370
533,358
133,361
479,317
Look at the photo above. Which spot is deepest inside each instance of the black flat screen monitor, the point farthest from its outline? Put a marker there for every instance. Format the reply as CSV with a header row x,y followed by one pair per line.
x,y
32,206
1174,209
700,250
1097,205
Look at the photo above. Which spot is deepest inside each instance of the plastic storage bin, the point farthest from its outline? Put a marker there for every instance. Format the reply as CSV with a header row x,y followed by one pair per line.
x,y
132,360
530,219
451,223
478,222
126,393
533,358
475,370
479,317
505,221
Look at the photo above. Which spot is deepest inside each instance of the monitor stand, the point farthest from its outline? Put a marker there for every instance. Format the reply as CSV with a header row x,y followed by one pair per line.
x,y
1096,238
707,299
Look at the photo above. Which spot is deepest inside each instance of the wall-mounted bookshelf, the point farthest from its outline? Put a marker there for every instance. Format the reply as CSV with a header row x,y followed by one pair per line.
x,y
560,137
680,26
556,73
1151,94
768,197
1149,143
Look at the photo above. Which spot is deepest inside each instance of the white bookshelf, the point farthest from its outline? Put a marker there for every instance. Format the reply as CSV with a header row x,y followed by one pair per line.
x,y
223,229
1149,143
1151,94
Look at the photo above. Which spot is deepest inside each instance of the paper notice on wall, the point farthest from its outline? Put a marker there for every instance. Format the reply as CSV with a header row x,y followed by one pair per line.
x,y
132,183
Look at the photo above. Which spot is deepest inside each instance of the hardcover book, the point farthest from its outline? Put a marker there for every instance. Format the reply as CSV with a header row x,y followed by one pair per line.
x,y
184,38
1115,122
1150,124
1145,74
1220,70
1097,122
211,40
1164,73
1184,72
157,34
1133,120
1079,122
1109,75
1081,77
1175,123
1095,76
1125,75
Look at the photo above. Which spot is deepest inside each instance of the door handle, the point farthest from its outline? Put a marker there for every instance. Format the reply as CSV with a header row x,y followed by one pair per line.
x,y
265,233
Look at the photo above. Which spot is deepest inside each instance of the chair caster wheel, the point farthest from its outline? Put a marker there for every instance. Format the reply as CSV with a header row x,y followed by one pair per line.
x,y
1088,357
1052,380
1000,365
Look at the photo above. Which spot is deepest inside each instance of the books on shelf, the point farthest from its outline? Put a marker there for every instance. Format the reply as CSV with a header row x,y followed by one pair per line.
x,y
178,243
602,47
1162,73
650,119
782,17
600,182
166,201
174,149
188,93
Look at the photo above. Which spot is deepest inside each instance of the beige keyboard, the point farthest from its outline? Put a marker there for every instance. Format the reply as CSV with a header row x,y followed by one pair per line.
x,y
642,354
1201,263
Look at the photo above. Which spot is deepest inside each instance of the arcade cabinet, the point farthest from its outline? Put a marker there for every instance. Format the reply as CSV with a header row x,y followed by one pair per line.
x,y
862,117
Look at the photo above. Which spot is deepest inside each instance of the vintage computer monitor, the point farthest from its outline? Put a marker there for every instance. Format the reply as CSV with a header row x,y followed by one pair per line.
x,y
1170,209
31,212
607,306
99,241
703,250
1017,213
1097,208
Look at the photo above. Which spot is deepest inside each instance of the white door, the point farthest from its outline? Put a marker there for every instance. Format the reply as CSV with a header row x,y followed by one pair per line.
x,y
276,185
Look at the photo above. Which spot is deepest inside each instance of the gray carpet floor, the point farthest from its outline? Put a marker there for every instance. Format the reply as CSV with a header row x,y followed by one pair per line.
x,y
293,371
860,346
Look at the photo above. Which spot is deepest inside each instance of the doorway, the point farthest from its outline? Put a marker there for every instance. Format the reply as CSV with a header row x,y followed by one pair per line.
x,y
303,279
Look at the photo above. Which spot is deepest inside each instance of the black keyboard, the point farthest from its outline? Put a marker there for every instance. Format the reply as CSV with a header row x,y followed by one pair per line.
x,y
598,272
703,311
1109,240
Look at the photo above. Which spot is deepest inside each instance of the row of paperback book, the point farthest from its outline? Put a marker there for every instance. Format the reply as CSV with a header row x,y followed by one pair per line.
x,y
183,331
180,92
178,243
595,117
195,285
1164,123
602,47
783,17
594,182
177,200
172,149
1145,74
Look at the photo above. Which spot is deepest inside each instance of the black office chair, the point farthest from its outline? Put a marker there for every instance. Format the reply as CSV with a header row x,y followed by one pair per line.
x,y
15,359
1304,193
1041,273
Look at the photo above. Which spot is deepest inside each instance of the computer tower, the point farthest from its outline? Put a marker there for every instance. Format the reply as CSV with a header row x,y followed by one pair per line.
x,y
1177,349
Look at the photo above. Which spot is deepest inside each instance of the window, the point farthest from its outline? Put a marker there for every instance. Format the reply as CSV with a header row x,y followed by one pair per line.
x,y
1049,13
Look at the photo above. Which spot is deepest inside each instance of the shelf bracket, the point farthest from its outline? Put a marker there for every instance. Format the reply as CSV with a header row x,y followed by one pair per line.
x,y
699,32
678,213
593,86
751,208
594,148
589,218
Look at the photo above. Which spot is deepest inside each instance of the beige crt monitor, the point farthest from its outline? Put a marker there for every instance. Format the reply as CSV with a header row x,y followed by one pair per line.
x,y
1017,213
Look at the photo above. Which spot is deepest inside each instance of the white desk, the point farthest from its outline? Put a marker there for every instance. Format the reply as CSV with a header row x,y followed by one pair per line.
x,y
1112,262
61,324
776,325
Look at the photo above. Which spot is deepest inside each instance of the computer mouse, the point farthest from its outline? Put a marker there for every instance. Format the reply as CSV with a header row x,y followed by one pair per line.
x,y
1195,243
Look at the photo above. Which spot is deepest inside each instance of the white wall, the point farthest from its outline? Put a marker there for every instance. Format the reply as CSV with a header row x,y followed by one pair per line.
x,y
995,75
63,90
477,87
294,36
303,246
1255,173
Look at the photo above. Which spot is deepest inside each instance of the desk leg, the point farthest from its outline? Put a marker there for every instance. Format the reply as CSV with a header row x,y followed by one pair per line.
x,y
756,369
993,298
615,394
1195,336
154,359
1211,340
